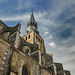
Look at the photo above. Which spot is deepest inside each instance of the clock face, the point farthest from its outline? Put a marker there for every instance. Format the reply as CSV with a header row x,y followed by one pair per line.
x,y
32,28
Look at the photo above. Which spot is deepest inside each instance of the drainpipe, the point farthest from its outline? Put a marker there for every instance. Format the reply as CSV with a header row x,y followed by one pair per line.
x,y
5,60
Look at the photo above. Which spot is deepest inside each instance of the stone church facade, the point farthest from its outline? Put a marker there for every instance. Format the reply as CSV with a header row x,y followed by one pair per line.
x,y
26,55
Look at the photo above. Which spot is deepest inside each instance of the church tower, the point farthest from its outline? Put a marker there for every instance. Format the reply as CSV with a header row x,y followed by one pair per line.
x,y
32,34
32,25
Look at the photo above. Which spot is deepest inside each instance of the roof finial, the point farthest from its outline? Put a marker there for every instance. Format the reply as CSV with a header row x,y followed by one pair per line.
x,y
32,11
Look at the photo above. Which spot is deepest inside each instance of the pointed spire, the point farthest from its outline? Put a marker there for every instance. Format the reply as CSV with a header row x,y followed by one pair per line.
x,y
32,25
32,11
32,19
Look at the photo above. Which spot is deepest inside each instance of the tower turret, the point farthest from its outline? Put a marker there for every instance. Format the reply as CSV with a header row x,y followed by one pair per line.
x,y
32,25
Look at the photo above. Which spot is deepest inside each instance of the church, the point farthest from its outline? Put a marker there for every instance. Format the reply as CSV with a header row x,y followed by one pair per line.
x,y
26,55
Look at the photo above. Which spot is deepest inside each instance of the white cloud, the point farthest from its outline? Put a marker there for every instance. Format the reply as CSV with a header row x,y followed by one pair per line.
x,y
25,16
28,4
16,18
45,28
59,6
23,4
65,55
46,33
50,37
19,5
52,44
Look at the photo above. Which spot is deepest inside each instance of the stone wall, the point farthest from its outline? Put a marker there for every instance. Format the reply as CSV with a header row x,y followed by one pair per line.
x,y
20,59
4,48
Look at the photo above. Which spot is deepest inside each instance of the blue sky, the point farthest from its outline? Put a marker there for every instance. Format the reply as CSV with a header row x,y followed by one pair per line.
x,y
56,24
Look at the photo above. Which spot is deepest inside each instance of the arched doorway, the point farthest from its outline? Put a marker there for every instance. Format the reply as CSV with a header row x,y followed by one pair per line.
x,y
24,70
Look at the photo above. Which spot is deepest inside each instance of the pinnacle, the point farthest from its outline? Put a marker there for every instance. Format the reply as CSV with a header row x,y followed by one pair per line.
x,y
32,19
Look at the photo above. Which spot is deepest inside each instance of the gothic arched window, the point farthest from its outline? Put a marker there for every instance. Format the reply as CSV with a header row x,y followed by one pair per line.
x,y
24,70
